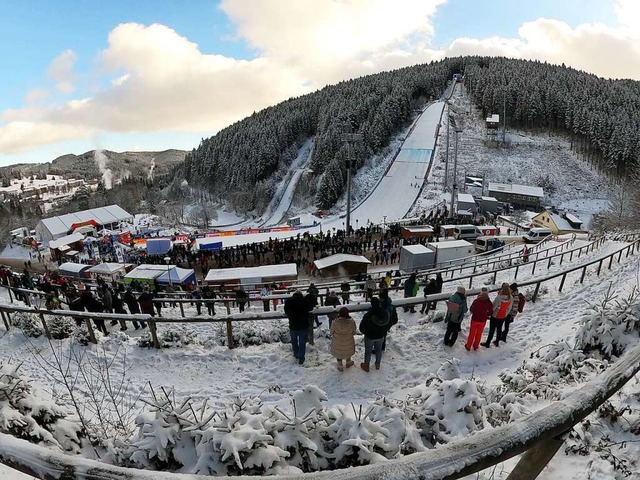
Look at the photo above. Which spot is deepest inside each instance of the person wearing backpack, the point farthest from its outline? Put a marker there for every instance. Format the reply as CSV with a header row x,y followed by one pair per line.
x,y
456,308
501,309
374,326
516,308
387,303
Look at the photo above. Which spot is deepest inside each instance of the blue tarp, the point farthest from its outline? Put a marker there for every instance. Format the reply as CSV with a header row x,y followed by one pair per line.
x,y
158,246
211,246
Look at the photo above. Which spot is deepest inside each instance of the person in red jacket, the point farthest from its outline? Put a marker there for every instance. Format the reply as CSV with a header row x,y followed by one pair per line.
x,y
481,310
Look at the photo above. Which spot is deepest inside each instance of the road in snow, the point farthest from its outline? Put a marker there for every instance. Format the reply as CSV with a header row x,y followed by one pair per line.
x,y
399,188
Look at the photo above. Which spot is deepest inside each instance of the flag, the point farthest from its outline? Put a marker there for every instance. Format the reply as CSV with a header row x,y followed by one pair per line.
x,y
473,181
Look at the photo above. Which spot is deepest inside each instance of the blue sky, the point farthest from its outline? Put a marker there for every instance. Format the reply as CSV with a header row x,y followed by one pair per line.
x,y
78,75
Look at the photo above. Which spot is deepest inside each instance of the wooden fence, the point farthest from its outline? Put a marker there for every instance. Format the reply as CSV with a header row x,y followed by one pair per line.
x,y
229,319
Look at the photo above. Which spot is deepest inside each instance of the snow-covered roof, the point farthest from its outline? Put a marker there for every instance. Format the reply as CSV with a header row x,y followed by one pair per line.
x,y
265,271
102,215
516,189
108,268
573,219
420,229
66,240
489,199
562,223
495,118
70,267
417,249
339,258
451,244
466,198
148,272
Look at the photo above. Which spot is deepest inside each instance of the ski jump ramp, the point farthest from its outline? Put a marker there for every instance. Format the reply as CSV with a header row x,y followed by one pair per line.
x,y
398,190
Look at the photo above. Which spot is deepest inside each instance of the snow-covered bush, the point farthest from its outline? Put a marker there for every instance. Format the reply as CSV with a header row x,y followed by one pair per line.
x,y
446,406
606,327
528,293
255,333
60,327
32,415
29,323
81,336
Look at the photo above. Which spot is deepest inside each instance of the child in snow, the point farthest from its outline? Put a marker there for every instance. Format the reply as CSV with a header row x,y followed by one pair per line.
x,y
456,308
343,346
481,310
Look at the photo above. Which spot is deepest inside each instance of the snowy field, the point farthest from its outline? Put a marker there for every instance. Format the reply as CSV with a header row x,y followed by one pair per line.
x,y
197,364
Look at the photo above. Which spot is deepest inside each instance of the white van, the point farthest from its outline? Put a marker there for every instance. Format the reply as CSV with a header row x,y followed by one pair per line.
x,y
536,235
488,243
465,232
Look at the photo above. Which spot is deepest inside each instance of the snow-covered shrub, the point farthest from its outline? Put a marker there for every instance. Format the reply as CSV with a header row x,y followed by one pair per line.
x,y
81,336
29,323
528,293
255,333
446,406
60,327
606,326
32,415
170,337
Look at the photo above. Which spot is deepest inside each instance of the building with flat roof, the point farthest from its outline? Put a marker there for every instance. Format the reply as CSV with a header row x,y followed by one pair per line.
x,y
520,196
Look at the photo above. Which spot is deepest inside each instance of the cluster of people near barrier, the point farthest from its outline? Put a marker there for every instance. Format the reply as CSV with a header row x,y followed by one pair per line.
x,y
382,315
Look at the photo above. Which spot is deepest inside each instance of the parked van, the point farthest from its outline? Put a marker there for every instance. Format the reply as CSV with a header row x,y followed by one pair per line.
x,y
465,232
488,243
536,235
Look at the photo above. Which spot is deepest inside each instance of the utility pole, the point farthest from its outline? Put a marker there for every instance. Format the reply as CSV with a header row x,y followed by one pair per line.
x,y
349,138
446,152
458,130
504,115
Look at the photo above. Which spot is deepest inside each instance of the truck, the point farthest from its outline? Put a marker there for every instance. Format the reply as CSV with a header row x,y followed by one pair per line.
x,y
446,253
416,257
486,230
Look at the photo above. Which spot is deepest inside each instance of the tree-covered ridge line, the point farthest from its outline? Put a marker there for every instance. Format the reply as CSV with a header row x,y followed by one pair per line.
x,y
242,162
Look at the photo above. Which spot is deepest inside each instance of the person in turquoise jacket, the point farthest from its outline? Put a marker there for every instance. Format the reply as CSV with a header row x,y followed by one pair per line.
x,y
456,309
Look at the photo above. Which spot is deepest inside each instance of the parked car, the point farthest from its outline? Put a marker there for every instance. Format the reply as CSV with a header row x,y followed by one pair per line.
x,y
536,235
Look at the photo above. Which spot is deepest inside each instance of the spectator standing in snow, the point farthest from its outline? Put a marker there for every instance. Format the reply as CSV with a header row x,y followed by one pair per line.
x,y
331,300
387,303
264,292
133,306
312,299
409,291
297,310
456,309
343,346
369,287
197,296
345,288
481,310
501,308
525,254
209,294
241,298
430,288
516,307
374,326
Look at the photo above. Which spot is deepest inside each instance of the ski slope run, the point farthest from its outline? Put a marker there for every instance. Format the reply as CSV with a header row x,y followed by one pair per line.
x,y
396,193
285,201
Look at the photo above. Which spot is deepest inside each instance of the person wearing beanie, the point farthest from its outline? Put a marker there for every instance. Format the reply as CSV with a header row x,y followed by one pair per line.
x,y
456,309
481,310
516,307
343,346
374,326
297,310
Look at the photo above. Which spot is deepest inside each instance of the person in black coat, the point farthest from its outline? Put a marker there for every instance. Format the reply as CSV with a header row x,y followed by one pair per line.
x,y
297,309
93,305
430,288
374,326
312,299
134,307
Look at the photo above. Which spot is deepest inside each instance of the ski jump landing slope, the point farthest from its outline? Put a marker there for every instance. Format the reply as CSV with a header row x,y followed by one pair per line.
x,y
399,188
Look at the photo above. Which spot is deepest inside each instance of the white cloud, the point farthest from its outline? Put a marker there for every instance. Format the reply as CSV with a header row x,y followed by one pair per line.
x,y
61,71
157,80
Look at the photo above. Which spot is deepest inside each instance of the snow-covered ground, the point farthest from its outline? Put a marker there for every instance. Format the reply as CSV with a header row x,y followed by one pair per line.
x,y
206,369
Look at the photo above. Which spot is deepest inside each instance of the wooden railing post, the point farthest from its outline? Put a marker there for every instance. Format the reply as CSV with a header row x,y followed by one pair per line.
x,y
181,309
515,276
4,320
535,293
561,258
230,343
533,270
44,325
584,272
564,277
535,459
610,261
154,333
228,305
92,334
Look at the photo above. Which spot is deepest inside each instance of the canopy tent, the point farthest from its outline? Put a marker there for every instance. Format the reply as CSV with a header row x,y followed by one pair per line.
x,y
158,246
177,276
76,270
146,273
253,275
72,253
112,270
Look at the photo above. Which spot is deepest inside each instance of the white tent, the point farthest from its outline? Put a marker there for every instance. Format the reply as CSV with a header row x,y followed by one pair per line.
x,y
109,269
178,276
66,240
146,273
70,269
253,275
